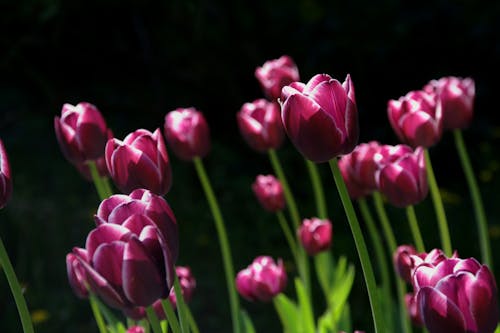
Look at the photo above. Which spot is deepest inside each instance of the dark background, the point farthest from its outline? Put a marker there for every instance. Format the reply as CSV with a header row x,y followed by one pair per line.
x,y
137,60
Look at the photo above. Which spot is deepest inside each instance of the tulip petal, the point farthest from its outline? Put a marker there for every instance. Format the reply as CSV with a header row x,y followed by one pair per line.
x,y
109,204
420,129
92,132
108,260
105,233
314,81
142,282
332,98
123,211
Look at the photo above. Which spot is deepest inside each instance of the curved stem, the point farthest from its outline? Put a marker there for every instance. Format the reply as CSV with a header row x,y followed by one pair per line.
x,y
223,242
98,182
482,224
94,305
415,230
15,288
391,247
319,194
153,319
288,234
360,246
438,206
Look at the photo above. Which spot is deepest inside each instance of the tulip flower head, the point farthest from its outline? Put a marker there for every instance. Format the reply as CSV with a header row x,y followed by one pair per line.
x,y
139,161
456,295
275,74
187,133
187,283
136,329
5,177
315,235
269,192
128,260
457,100
76,276
321,117
260,125
403,262
262,280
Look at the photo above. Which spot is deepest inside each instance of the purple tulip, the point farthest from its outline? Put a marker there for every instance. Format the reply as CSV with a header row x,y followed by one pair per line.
x,y
315,235
139,161
457,100
359,168
404,180
5,177
260,125
456,295
128,260
269,192
187,283
275,74
413,312
417,118
403,263
81,132
320,117
76,274
136,329
187,133
262,280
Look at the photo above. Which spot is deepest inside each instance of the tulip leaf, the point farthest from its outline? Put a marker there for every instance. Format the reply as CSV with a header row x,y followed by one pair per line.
x,y
323,263
307,316
289,314
344,322
114,325
498,329
246,321
341,290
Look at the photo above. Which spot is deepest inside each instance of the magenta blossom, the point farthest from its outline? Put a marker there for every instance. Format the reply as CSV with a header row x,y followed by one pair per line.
x,y
139,161
315,235
262,280
275,74
5,177
136,329
187,133
269,192
320,117
260,125
417,118
403,262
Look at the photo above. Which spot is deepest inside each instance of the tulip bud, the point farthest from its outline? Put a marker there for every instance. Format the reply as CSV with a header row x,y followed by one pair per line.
x,y
403,262
136,329
417,118
187,133
187,283
457,100
315,235
128,260
76,275
320,117
139,161
404,181
359,168
5,177
261,280
260,125
269,192
275,74
81,132
456,295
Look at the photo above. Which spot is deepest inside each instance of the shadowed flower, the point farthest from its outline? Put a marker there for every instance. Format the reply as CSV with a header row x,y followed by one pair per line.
x,y
315,235
275,74
269,192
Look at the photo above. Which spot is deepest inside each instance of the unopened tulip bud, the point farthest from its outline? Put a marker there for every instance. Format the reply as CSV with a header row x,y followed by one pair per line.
x,y
275,74
315,235
269,192
403,262
187,283
5,177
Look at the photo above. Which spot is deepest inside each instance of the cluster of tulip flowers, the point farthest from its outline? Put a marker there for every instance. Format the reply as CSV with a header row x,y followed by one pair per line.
x,y
128,261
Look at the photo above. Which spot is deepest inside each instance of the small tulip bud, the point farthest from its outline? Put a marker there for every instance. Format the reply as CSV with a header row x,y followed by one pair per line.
x,y
315,235
275,74
269,192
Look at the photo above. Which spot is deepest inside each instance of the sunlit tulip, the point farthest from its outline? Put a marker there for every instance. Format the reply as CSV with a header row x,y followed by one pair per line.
x,y
457,100
5,177
315,235
262,280
320,117
269,192
139,161
417,118
260,125
275,74
187,133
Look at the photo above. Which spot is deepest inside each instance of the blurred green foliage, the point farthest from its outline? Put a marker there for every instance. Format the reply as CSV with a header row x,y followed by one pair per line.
x,y
136,60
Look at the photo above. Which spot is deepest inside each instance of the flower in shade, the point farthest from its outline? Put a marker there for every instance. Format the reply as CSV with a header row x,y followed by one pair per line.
x,y
403,262
456,295
187,283
262,280
359,168
457,100
82,132
269,192
413,312
260,125
76,276
402,176
320,117
417,118
136,329
187,133
315,235
128,260
5,177
275,74
139,161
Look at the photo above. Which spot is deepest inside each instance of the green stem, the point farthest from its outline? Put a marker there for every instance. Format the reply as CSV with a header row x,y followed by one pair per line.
x,y
100,187
319,194
360,246
391,247
153,319
438,206
15,288
94,305
181,306
223,242
288,234
170,314
482,224
415,230
107,186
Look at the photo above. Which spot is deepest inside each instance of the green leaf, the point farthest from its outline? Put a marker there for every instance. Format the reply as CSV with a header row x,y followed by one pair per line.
x,y
289,314
247,322
340,292
306,311
498,329
323,263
